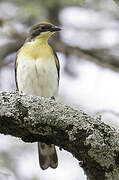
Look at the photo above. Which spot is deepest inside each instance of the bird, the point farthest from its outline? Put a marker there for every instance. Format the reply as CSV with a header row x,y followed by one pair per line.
x,y
37,73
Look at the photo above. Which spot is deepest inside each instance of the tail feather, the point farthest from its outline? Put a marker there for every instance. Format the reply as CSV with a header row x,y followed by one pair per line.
x,y
47,155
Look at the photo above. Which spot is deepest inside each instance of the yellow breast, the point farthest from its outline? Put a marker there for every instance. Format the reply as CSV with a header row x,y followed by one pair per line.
x,y
36,49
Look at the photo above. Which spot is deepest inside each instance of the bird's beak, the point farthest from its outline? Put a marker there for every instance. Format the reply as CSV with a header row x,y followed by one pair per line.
x,y
55,28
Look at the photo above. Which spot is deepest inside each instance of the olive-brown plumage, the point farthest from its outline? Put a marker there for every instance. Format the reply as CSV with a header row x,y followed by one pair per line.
x,y
37,73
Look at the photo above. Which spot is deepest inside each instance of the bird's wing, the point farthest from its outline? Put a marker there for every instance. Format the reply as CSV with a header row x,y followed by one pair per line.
x,y
57,64
15,67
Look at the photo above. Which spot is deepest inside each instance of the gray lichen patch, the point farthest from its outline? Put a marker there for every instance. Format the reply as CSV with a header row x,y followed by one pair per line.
x,y
22,110
87,138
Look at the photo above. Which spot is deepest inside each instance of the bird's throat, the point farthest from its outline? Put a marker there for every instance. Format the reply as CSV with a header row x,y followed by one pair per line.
x,y
37,48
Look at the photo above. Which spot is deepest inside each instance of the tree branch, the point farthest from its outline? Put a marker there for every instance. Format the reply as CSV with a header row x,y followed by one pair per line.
x,y
117,1
101,57
87,138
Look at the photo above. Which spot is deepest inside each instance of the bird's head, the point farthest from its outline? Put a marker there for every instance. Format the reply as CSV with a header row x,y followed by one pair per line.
x,y
42,30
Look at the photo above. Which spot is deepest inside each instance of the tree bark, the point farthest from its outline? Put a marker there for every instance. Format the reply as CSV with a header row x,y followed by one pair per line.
x,y
91,141
117,1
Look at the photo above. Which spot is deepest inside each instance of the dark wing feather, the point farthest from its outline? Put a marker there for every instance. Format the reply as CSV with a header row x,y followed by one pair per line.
x,y
57,64
15,67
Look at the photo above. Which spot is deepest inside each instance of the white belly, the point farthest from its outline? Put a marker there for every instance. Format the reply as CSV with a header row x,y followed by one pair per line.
x,y
37,77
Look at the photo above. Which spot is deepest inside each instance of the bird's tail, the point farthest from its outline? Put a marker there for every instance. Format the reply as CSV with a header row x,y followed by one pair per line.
x,y
47,155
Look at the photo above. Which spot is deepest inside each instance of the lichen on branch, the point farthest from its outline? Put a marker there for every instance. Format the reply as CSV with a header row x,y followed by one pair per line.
x,y
91,141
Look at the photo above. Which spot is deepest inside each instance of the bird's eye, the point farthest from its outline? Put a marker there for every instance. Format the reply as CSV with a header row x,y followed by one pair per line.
x,y
43,27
